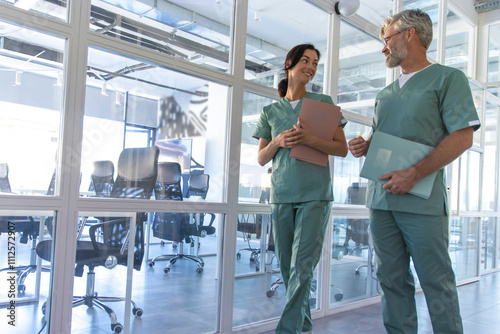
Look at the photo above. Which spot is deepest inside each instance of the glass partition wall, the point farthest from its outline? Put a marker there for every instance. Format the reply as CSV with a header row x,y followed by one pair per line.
x,y
96,93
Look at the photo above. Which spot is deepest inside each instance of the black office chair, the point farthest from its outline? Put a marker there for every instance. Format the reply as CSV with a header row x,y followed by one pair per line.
x,y
102,178
198,186
168,184
27,228
249,224
108,245
166,225
358,230
179,227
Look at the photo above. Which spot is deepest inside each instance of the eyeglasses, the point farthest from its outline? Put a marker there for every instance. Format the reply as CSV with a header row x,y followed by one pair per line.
x,y
386,39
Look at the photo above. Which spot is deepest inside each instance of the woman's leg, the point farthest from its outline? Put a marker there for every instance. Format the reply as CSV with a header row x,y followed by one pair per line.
x,y
311,219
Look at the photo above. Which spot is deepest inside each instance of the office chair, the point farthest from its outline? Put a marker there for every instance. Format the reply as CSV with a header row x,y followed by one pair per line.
x,y
166,225
102,178
108,245
179,227
248,228
28,229
168,183
198,186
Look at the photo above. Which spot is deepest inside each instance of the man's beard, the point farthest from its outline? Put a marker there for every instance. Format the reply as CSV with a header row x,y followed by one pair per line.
x,y
398,53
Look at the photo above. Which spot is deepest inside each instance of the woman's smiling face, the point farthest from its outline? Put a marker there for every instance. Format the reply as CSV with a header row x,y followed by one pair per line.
x,y
305,69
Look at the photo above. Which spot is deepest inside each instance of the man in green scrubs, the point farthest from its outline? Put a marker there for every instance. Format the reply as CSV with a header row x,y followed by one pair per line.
x,y
431,104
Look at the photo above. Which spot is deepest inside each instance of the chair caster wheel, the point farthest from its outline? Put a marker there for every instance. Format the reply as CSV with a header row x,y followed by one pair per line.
x,y
117,328
162,243
21,288
199,270
252,259
269,293
257,268
173,261
44,306
166,270
238,256
152,263
338,296
137,312
356,273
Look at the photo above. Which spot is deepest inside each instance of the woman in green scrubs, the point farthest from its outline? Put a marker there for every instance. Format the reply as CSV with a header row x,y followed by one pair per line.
x,y
301,192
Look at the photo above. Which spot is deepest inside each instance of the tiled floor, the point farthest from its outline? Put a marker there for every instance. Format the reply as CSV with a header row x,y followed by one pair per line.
x,y
479,302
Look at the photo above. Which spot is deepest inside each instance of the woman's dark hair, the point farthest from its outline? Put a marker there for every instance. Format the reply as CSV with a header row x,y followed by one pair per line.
x,y
293,56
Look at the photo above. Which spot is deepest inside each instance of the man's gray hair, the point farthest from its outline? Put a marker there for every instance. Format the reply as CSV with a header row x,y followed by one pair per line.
x,y
411,18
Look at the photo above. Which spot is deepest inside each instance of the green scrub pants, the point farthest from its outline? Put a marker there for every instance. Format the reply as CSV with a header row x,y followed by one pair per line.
x,y
298,232
396,237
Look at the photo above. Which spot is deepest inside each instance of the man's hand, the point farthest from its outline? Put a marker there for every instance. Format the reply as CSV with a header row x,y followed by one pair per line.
x,y
400,181
358,146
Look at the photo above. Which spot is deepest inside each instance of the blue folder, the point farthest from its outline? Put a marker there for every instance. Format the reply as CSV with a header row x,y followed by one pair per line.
x,y
389,153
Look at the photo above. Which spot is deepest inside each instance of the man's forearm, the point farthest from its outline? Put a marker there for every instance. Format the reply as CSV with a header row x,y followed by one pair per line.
x,y
448,150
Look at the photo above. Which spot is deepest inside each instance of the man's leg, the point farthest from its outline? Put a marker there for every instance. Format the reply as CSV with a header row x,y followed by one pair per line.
x,y
427,240
394,275
311,219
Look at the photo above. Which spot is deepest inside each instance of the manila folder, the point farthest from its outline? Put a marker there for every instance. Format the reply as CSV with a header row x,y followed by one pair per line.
x,y
389,153
322,120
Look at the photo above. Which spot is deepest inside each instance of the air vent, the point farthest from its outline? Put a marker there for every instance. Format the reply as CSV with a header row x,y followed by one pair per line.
x,y
482,6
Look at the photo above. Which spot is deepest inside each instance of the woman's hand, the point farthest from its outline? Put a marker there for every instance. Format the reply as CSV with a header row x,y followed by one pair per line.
x,y
307,137
336,147
289,138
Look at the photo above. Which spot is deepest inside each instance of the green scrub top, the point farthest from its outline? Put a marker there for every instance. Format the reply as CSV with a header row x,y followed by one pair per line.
x,y
432,104
292,180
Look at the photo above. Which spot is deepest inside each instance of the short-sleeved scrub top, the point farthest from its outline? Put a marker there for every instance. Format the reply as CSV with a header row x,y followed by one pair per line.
x,y
292,180
433,103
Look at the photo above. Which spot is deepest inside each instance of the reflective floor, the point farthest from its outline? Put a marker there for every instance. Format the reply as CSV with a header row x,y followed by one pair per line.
x,y
182,294
479,302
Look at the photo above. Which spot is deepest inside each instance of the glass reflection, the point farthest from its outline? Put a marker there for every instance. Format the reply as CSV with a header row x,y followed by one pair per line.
x,y
353,260
25,277
273,29
53,9
362,71
254,179
463,246
490,177
457,42
494,53
196,31
488,242
348,186
469,180
130,103
31,101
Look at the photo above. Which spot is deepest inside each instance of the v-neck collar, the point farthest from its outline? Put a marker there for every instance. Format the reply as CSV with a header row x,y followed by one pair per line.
x,y
398,87
298,104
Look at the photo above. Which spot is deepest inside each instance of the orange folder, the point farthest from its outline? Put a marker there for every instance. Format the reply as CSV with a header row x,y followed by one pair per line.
x,y
322,119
